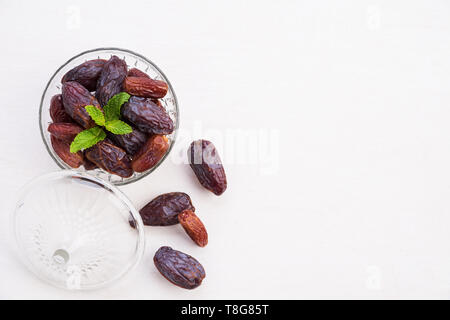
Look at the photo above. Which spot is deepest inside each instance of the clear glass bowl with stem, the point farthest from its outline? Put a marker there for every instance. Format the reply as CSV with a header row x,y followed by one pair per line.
x,y
74,230
133,60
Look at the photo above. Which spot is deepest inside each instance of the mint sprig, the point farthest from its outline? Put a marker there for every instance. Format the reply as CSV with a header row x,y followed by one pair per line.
x,y
112,108
87,138
118,127
109,118
96,115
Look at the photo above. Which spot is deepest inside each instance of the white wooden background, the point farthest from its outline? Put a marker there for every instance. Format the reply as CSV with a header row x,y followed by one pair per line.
x,y
332,118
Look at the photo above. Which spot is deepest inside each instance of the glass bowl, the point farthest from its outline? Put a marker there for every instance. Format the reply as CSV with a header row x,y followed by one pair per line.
x,y
133,60
73,230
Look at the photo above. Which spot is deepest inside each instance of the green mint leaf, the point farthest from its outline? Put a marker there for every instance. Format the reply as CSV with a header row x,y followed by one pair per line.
x,y
96,115
87,138
112,108
118,127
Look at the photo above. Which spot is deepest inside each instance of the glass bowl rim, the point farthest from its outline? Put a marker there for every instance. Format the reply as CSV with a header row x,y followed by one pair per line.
x,y
104,184
175,132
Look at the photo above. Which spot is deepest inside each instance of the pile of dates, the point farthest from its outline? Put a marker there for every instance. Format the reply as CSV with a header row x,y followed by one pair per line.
x,y
94,82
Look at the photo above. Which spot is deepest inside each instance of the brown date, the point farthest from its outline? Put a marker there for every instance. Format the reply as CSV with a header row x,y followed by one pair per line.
x,y
207,166
133,72
145,87
147,116
179,268
75,97
111,79
164,209
62,149
57,112
86,73
194,227
150,153
110,158
158,102
89,165
131,142
64,131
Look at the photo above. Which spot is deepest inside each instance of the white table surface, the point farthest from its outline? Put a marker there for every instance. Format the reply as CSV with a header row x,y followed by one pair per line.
x,y
332,118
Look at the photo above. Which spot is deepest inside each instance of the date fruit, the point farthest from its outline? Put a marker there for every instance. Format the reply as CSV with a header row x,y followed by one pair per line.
x,y
75,97
194,227
62,149
150,153
207,166
133,72
57,112
145,87
147,116
110,158
131,142
64,131
179,268
164,209
111,78
86,74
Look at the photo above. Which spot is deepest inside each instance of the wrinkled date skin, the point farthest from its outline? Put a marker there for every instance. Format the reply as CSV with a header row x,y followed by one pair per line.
x,y
86,74
75,97
131,142
207,166
194,227
62,149
149,155
64,131
111,79
133,72
145,87
164,209
179,268
110,158
57,112
147,116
